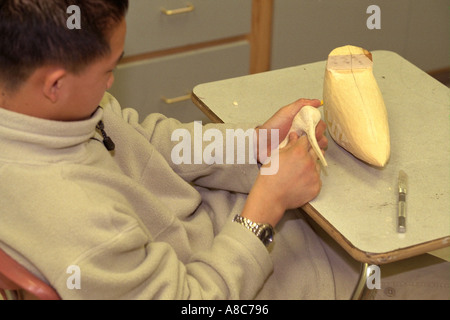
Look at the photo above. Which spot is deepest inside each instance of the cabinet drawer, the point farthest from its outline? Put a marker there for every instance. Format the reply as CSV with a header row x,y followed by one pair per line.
x,y
149,29
143,85
412,29
341,23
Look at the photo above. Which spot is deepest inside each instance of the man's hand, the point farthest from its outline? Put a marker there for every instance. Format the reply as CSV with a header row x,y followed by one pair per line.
x,y
297,180
282,120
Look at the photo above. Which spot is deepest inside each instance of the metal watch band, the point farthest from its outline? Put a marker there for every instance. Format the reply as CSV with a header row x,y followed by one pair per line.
x,y
263,231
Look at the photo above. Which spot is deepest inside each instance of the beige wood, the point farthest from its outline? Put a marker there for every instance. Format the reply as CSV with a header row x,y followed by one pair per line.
x,y
204,108
261,35
354,107
305,122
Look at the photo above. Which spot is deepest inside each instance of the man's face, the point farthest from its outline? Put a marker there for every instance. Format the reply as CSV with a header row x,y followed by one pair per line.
x,y
87,88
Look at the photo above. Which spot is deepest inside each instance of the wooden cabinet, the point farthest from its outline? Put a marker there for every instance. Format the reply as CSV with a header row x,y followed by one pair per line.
x,y
306,31
173,45
163,24
164,84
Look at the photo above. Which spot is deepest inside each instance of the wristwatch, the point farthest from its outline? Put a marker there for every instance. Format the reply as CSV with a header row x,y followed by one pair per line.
x,y
263,231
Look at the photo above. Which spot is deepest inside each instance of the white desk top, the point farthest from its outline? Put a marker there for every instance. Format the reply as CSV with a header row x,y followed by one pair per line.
x,y
358,203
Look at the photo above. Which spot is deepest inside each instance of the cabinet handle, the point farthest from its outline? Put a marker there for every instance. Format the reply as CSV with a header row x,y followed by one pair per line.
x,y
177,99
189,8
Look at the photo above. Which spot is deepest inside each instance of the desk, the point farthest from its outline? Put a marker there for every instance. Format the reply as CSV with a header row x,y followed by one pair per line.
x,y
357,205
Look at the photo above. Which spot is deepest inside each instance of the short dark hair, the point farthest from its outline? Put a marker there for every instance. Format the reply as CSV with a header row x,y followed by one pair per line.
x,y
34,33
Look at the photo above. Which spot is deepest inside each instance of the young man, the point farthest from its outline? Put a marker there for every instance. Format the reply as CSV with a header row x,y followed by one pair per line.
x,y
128,220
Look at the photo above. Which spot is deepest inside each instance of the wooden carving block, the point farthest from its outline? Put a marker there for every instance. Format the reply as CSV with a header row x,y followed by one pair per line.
x,y
354,108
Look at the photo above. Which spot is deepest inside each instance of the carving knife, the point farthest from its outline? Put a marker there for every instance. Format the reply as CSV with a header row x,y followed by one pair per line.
x,y
402,187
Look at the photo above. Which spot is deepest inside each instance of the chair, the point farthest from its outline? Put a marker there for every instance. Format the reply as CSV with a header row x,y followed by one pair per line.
x,y
17,283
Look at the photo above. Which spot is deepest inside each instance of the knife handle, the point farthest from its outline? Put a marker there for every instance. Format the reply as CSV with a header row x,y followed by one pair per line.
x,y
401,227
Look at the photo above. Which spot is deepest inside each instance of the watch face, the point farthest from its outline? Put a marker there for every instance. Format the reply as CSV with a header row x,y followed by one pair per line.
x,y
267,235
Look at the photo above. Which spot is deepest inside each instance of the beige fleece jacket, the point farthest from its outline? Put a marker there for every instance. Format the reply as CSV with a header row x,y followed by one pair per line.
x,y
137,225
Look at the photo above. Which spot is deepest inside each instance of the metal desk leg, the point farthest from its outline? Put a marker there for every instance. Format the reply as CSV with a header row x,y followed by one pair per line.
x,y
361,287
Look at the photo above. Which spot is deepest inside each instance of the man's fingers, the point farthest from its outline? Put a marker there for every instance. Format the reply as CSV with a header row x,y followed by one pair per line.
x,y
310,102
306,145
293,137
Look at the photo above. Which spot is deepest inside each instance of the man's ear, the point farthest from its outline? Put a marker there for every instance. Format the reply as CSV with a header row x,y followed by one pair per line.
x,y
53,83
